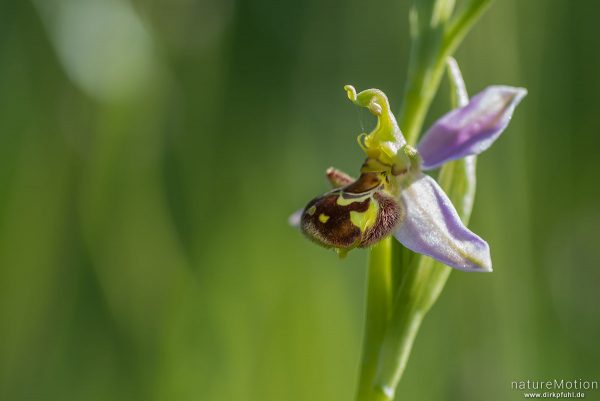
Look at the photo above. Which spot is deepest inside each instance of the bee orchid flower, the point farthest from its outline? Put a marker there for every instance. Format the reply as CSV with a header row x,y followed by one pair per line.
x,y
393,196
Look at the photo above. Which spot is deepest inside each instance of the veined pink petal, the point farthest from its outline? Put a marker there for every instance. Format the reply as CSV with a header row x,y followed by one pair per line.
x,y
470,129
432,227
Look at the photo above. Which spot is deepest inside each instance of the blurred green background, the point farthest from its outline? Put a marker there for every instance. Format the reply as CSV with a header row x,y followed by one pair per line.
x,y
152,150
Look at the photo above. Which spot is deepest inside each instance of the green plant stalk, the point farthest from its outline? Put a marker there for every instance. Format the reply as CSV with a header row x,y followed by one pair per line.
x,y
416,286
421,284
378,314
423,281
430,49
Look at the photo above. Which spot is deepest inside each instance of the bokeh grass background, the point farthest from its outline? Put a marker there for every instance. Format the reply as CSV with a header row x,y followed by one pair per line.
x,y
152,150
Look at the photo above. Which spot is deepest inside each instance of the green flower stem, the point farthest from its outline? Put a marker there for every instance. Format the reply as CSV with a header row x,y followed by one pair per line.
x,y
379,310
411,304
431,48
417,280
422,282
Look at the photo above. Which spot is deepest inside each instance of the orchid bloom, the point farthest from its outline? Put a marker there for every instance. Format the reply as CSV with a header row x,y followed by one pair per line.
x,y
393,196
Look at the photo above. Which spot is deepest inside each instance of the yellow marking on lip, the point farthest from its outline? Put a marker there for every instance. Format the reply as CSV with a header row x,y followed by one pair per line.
x,y
366,219
323,218
341,201
311,210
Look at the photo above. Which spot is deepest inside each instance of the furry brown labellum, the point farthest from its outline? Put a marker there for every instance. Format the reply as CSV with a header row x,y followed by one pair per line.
x,y
357,215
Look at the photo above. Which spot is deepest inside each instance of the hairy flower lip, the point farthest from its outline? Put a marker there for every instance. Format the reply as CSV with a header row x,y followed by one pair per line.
x,y
344,220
